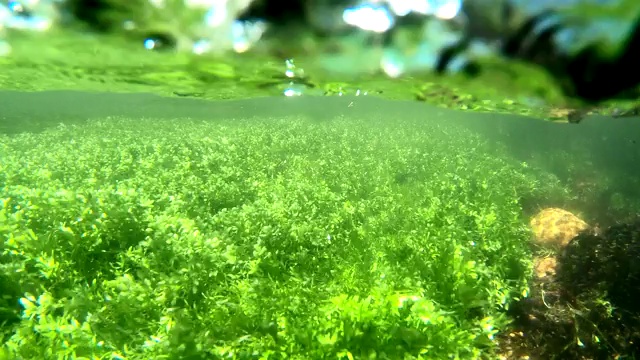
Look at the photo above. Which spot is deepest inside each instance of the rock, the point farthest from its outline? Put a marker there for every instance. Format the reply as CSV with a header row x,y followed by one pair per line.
x,y
545,267
555,227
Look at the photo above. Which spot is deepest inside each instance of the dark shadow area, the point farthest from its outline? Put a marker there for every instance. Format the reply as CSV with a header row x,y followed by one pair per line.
x,y
590,308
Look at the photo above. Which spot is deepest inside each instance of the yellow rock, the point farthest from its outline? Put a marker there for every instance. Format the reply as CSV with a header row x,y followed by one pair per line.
x,y
556,227
545,267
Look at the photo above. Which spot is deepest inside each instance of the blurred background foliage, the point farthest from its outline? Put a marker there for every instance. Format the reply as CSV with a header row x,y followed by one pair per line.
x,y
587,47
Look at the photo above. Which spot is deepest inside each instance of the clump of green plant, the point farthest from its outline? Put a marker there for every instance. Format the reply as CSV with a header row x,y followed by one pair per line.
x,y
259,238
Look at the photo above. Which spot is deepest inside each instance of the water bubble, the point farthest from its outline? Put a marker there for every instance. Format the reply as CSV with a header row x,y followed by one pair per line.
x,y
159,41
294,90
291,71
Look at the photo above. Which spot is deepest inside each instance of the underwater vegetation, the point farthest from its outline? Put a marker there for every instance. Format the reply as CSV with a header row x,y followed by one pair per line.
x,y
164,229
206,231
260,238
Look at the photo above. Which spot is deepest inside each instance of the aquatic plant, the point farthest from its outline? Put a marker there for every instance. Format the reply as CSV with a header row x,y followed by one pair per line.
x,y
259,238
